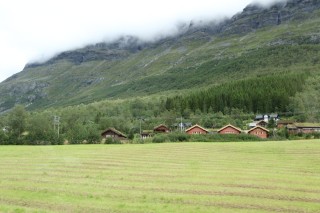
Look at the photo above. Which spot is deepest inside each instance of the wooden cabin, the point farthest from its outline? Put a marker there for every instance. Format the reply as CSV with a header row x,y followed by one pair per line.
x,y
229,129
147,134
113,133
303,128
262,123
258,123
259,131
196,129
284,123
161,129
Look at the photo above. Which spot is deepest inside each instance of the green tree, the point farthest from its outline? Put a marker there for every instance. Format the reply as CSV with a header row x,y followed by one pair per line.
x,y
271,123
17,120
40,130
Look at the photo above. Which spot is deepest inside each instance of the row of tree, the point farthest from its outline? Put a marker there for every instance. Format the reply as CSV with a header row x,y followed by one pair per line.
x,y
265,95
84,123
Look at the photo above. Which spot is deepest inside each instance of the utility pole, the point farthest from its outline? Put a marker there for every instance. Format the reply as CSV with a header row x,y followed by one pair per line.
x,y
140,126
181,124
56,124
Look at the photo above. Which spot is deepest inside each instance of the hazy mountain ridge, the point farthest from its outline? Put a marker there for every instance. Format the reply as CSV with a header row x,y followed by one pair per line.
x,y
130,66
251,18
255,17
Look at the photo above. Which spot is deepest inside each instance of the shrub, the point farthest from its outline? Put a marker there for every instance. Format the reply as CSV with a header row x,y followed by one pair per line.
x,y
224,138
3,138
159,138
110,140
316,135
178,137
182,137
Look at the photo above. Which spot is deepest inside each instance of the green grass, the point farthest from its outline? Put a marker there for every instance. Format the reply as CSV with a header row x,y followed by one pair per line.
x,y
174,177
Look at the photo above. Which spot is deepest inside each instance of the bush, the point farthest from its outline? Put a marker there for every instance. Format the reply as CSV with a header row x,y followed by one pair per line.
x,y
110,140
171,137
316,135
183,137
224,138
43,138
178,137
283,133
4,139
160,138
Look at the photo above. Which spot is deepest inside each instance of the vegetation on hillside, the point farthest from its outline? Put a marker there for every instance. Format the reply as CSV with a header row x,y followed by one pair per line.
x,y
264,95
190,61
84,123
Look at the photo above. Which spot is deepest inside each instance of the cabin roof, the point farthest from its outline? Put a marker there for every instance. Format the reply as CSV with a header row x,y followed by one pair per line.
x,y
285,122
147,132
115,131
161,125
307,125
260,127
229,125
262,121
194,126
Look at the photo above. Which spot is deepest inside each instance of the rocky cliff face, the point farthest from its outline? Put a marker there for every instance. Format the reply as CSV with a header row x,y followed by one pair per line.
x,y
255,16
117,50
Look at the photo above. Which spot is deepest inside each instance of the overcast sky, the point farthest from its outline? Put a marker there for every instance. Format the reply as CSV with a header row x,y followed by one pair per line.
x,y
32,30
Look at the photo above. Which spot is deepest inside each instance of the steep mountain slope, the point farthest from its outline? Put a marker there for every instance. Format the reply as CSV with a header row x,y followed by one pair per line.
x,y
284,38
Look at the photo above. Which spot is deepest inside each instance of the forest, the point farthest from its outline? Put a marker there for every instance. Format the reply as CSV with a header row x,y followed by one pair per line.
x,y
293,96
258,95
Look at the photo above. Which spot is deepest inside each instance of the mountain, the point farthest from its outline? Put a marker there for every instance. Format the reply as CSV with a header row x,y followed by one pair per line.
x,y
281,39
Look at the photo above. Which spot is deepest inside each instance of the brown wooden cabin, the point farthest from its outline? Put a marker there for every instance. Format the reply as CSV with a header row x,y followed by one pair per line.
x,y
113,133
229,129
262,123
161,129
147,134
303,128
259,131
196,129
283,123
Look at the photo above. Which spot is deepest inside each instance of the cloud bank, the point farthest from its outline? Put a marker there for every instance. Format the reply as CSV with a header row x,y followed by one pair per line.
x,y
35,30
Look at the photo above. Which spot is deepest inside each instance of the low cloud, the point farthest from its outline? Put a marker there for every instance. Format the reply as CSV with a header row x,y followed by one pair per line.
x,y
268,3
35,30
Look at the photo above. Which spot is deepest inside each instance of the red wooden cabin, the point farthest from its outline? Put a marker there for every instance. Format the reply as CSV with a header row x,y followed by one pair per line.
x,y
196,129
259,131
229,129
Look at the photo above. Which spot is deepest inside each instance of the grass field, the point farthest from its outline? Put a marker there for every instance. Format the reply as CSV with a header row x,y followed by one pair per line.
x,y
172,177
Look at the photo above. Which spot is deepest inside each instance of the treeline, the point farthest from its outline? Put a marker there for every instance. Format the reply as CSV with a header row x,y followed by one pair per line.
x,y
19,128
264,95
84,123
79,124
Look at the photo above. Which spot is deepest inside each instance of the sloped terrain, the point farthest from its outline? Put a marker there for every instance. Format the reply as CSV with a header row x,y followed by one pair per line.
x,y
284,38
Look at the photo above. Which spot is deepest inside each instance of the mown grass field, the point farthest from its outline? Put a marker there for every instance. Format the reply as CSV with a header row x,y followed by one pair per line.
x,y
172,177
